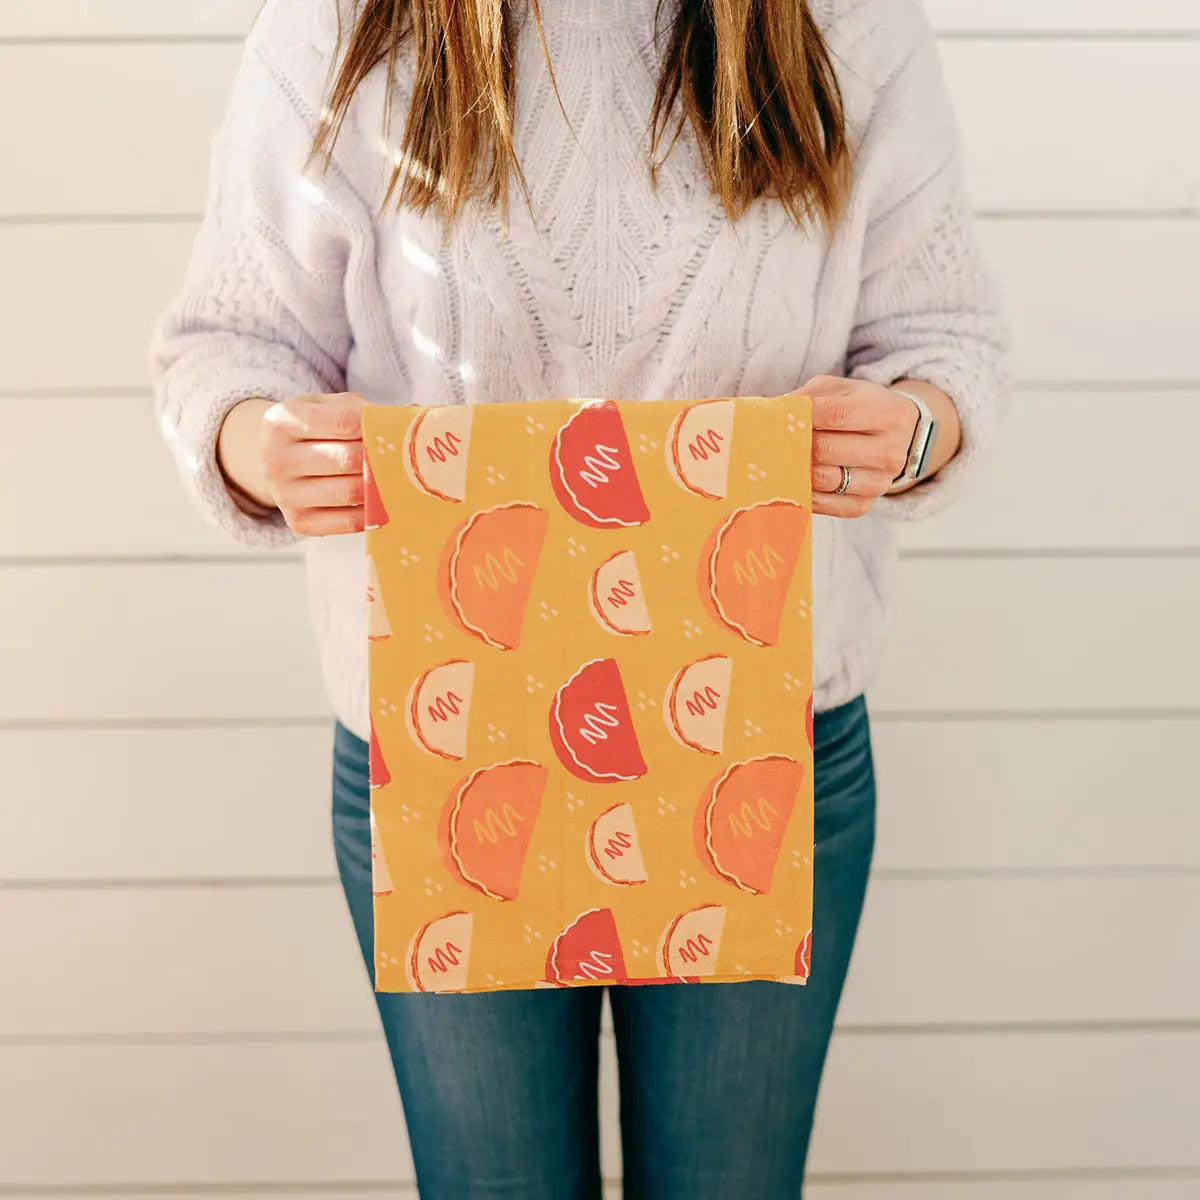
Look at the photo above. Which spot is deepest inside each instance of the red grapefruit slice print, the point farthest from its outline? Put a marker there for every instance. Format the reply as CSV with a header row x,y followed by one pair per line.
x,y
698,448
436,446
616,598
438,953
742,817
487,823
381,878
591,728
695,705
438,708
591,469
377,768
747,565
375,516
378,625
487,569
613,851
691,943
587,951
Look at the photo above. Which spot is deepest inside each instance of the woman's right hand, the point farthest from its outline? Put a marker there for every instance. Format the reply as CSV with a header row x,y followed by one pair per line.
x,y
303,456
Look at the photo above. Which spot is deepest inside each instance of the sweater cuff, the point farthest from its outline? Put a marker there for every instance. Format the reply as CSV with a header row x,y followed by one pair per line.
x,y
978,405
191,430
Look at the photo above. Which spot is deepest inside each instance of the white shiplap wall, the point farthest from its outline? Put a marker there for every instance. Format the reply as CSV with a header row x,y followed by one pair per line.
x,y
1023,1021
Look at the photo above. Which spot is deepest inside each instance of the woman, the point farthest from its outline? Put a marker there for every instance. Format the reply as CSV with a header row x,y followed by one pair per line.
x,y
473,202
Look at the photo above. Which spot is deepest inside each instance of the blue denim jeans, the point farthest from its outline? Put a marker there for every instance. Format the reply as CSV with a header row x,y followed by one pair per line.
x,y
718,1082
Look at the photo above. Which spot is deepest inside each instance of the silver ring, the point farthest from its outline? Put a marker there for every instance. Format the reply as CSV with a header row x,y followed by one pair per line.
x,y
844,486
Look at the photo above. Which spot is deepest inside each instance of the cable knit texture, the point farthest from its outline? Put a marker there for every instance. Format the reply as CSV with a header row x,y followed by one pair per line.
x,y
604,286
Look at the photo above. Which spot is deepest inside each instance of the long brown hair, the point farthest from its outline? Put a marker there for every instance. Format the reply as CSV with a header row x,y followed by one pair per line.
x,y
752,77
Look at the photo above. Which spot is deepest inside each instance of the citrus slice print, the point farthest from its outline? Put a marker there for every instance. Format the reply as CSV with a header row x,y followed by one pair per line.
x,y
588,950
487,569
487,823
438,954
375,516
698,448
381,879
747,564
742,817
691,943
616,598
436,446
591,728
804,956
591,469
377,768
697,701
613,852
437,709
378,625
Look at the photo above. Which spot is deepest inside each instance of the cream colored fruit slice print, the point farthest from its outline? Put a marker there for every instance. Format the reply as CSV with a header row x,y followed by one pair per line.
x,y
436,448
437,709
381,878
378,625
613,851
438,954
698,448
691,944
697,702
616,597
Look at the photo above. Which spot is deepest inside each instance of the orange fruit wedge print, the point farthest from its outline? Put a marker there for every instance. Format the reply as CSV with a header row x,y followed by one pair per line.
x,y
591,728
747,564
487,824
742,817
377,768
487,568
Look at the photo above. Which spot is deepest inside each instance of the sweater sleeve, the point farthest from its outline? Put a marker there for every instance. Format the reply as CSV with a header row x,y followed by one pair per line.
x,y
261,311
928,307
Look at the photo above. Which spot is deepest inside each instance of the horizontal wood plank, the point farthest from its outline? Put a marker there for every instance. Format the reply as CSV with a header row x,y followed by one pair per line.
x,y
131,157
283,960
1132,320
1008,795
1024,498
113,489
1054,478
1043,634
156,642
256,1114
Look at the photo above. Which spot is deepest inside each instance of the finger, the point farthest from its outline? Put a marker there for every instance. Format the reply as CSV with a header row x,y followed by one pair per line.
x,y
287,459
842,506
326,522
320,418
863,481
853,450
325,491
848,411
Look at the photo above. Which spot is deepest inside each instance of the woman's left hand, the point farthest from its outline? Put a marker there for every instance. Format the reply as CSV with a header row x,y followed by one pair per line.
x,y
863,426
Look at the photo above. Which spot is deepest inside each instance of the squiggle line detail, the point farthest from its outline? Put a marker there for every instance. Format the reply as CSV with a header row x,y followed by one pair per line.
x,y
694,948
621,593
446,956
755,566
445,707
698,701
596,467
440,447
760,814
709,442
493,569
596,724
616,845
494,824
595,966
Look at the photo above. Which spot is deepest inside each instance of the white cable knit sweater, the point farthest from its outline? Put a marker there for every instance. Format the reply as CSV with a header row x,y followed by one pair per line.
x,y
298,283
